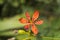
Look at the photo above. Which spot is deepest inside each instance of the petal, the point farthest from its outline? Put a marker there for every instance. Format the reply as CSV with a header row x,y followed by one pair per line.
x,y
27,15
39,22
34,29
35,15
23,20
26,26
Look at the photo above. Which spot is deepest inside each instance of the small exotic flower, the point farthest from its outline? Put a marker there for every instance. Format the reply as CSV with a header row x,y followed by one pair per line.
x,y
31,22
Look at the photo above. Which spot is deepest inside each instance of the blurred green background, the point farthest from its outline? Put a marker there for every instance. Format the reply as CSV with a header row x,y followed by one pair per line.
x,y
12,10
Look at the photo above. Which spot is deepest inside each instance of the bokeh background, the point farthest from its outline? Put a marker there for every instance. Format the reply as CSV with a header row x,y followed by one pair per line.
x,y
12,10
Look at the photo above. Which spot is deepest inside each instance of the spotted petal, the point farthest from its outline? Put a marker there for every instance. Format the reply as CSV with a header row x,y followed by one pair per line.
x,y
26,27
34,29
23,20
35,15
39,22
27,15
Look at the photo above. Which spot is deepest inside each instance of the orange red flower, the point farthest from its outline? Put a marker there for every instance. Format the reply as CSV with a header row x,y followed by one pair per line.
x,y
30,23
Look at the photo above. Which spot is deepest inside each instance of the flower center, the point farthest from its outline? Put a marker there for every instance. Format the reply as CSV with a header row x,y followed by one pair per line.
x,y
31,21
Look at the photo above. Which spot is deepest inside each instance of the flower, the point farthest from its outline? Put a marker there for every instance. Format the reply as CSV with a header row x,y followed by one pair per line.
x,y
31,21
